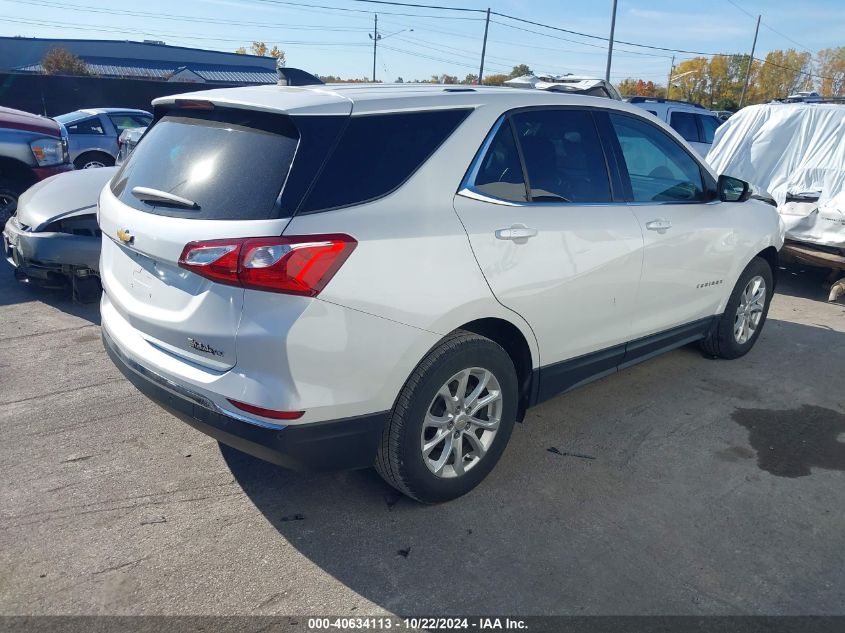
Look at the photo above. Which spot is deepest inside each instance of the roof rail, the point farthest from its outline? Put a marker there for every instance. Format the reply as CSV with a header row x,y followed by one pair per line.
x,y
663,100
458,89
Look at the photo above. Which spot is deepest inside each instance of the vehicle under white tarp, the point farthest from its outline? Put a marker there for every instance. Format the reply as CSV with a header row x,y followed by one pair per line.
x,y
796,152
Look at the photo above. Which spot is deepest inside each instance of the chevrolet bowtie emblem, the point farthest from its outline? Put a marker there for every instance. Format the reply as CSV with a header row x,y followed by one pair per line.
x,y
125,236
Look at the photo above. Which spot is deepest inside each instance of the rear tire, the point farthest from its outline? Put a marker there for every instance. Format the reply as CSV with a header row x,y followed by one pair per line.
x,y
452,420
740,325
93,160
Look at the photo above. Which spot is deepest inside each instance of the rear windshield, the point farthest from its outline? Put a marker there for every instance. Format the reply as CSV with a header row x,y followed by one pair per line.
x,y
377,153
231,163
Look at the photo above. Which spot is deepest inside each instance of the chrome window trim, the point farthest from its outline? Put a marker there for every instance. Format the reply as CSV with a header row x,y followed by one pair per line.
x,y
467,188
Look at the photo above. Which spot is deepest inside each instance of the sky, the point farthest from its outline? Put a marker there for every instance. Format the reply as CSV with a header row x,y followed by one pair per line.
x,y
330,37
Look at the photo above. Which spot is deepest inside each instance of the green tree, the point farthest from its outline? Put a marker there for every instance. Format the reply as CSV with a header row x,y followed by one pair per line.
x,y
519,71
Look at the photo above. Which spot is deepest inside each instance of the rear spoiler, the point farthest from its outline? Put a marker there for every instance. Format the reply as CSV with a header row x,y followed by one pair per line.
x,y
295,76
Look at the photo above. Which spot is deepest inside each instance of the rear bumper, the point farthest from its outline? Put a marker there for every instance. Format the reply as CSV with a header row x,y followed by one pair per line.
x,y
320,446
40,254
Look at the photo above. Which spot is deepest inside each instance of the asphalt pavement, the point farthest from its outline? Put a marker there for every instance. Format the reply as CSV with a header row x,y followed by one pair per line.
x,y
683,485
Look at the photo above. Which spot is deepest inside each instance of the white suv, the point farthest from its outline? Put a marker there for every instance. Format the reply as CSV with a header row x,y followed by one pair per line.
x,y
696,124
342,276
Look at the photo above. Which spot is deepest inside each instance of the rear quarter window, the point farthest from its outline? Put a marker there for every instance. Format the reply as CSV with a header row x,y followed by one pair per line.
x,y
232,163
378,153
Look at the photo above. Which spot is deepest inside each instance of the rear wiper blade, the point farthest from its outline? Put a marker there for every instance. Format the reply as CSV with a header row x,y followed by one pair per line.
x,y
146,194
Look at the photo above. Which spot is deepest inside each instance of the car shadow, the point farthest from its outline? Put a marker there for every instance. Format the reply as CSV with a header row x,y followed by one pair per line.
x,y
805,282
619,516
13,291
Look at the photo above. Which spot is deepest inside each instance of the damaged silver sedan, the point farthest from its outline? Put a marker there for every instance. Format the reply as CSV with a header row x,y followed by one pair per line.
x,y
53,240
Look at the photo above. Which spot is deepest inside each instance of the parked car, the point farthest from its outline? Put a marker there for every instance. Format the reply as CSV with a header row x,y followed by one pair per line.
x,y
93,133
408,269
127,141
795,153
695,123
32,148
572,84
804,96
53,240
723,115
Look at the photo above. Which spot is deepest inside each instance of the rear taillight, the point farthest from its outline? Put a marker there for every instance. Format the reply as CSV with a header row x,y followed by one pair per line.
x,y
267,413
299,265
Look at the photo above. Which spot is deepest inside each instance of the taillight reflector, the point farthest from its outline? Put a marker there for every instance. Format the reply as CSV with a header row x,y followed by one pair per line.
x,y
267,413
299,265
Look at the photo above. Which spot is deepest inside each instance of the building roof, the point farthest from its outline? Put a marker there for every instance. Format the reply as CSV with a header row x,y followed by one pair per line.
x,y
142,60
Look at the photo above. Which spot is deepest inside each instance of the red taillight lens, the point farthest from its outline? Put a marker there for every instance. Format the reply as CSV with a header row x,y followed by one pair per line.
x,y
215,259
300,265
267,413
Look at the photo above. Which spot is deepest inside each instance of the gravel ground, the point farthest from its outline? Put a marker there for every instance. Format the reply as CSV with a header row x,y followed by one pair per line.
x,y
680,486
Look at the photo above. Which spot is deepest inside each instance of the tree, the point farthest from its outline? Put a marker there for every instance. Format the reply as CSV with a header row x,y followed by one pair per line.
x,y
640,88
519,71
470,79
831,67
60,61
240,50
278,54
399,80
780,74
259,48
495,80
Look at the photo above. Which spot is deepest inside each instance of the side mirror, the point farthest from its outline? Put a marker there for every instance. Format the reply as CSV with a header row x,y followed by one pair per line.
x,y
733,189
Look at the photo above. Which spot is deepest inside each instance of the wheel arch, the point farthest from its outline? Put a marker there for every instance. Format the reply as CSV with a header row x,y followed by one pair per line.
x,y
770,254
515,343
95,153
14,171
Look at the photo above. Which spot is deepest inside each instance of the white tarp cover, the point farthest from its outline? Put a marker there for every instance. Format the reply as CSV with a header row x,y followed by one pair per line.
x,y
788,150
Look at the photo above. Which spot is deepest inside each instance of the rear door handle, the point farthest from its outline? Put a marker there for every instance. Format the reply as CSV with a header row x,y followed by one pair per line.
x,y
660,225
519,233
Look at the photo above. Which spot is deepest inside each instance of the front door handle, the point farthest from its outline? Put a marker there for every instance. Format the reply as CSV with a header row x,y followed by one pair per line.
x,y
519,233
660,225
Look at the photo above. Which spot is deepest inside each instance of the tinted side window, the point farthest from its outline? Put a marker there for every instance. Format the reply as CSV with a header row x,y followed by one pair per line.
x,y
500,172
659,168
563,156
684,124
88,126
708,127
126,121
377,153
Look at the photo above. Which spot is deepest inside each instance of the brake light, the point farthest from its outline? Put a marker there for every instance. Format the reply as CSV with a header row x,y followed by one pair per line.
x,y
267,413
298,265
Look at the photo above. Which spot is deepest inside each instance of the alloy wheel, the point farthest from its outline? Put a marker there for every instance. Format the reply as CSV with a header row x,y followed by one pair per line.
x,y
461,422
752,302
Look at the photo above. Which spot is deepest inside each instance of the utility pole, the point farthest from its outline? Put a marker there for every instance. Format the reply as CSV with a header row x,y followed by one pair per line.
x,y
750,63
375,37
484,47
610,43
669,81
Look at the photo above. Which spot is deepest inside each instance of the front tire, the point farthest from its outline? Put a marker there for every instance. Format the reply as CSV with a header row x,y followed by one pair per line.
x,y
745,313
452,420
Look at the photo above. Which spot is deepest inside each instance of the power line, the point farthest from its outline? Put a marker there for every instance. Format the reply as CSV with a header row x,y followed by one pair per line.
x,y
772,29
169,16
369,13
420,6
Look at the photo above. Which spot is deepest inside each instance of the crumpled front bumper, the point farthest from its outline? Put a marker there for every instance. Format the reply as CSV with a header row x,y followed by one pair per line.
x,y
44,254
